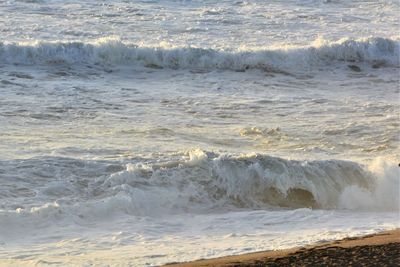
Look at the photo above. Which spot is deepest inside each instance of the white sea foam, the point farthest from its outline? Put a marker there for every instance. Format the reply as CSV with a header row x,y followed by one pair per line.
x,y
257,181
378,52
92,130
385,193
206,182
234,204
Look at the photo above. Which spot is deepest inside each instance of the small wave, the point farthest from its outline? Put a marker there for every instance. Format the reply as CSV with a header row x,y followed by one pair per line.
x,y
378,52
256,131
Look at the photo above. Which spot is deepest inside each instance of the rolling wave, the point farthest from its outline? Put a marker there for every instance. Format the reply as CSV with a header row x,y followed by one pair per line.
x,y
378,52
205,182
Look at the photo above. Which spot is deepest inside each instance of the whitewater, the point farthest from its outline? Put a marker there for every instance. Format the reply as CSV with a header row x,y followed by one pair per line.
x,y
140,133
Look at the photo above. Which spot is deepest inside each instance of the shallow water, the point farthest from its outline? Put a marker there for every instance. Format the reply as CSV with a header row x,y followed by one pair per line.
x,y
133,134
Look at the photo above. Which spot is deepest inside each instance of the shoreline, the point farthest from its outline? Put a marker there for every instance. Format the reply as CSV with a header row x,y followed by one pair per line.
x,y
382,248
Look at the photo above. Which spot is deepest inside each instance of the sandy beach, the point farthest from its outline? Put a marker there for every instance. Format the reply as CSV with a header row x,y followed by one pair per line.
x,y
382,249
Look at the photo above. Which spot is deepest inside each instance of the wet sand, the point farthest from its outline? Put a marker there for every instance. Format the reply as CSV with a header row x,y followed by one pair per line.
x,y
382,249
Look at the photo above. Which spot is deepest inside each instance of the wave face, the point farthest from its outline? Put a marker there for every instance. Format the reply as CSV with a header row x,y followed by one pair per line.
x,y
378,52
206,182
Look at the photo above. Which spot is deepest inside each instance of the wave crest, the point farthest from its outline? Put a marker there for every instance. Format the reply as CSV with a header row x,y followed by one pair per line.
x,y
205,182
378,52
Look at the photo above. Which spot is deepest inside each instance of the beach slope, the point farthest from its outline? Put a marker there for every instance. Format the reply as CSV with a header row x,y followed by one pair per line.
x,y
382,249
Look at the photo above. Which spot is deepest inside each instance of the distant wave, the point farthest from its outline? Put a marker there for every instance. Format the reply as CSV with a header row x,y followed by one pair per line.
x,y
206,182
378,52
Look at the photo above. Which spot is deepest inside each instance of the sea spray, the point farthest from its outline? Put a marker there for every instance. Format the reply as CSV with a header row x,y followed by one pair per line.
x,y
377,52
208,182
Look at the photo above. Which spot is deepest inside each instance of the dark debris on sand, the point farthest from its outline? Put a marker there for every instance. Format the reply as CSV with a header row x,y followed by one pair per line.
x,y
370,255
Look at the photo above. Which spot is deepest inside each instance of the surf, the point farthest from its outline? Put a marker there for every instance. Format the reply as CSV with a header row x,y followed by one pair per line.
x,y
374,52
206,182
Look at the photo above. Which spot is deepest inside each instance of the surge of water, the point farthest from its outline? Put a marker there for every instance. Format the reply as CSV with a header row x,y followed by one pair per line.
x,y
378,52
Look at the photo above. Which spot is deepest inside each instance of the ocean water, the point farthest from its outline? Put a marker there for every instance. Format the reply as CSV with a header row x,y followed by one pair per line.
x,y
137,133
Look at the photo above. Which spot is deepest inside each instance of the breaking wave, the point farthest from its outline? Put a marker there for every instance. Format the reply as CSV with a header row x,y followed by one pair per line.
x,y
378,52
206,182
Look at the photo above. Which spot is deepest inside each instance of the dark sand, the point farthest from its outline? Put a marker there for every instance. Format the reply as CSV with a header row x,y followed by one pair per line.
x,y
382,249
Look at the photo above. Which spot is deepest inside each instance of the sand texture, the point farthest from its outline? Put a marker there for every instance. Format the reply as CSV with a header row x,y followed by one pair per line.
x,y
382,249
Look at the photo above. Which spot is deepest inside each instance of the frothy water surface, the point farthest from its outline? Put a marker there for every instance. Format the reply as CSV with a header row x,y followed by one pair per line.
x,y
133,134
